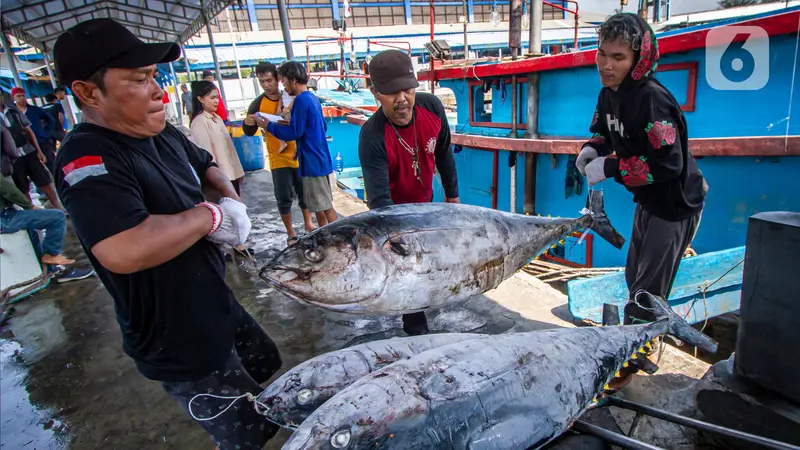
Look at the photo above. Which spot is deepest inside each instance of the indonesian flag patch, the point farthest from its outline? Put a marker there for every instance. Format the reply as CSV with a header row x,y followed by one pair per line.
x,y
85,166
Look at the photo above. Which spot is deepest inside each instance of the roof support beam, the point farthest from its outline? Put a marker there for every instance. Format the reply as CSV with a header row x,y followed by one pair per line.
x,y
12,63
216,60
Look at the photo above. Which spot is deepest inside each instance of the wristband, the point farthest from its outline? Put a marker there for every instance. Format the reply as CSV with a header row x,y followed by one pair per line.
x,y
216,216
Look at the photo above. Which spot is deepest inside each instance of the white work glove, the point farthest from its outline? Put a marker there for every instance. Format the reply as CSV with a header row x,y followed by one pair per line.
x,y
223,229
596,171
237,212
587,155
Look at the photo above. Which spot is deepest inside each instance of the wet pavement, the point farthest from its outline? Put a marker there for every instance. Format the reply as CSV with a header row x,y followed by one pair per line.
x,y
66,382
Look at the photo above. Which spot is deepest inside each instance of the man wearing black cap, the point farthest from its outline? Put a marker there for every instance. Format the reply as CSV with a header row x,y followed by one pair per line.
x,y
133,185
402,144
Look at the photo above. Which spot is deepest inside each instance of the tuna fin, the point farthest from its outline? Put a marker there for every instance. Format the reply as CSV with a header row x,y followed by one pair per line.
x,y
644,365
398,246
651,308
600,223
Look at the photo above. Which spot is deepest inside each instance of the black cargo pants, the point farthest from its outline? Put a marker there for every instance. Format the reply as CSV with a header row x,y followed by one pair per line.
x,y
655,252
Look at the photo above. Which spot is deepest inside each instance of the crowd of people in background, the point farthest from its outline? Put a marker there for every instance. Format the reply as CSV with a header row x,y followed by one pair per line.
x,y
296,147
30,136
296,144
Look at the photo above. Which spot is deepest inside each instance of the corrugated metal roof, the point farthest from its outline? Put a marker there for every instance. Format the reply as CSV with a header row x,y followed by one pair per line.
x,y
40,22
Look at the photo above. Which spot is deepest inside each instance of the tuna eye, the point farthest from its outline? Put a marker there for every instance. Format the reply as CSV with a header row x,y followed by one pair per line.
x,y
340,439
303,395
313,255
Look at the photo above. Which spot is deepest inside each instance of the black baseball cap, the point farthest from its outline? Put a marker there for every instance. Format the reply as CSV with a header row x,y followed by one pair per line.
x,y
97,43
392,71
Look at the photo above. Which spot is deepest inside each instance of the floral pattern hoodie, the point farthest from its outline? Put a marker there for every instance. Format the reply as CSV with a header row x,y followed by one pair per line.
x,y
643,124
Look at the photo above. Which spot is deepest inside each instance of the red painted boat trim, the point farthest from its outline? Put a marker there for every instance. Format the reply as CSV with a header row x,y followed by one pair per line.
x,y
701,147
785,23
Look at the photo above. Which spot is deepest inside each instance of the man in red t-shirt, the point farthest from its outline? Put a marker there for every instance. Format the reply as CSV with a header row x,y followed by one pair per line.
x,y
402,144
222,110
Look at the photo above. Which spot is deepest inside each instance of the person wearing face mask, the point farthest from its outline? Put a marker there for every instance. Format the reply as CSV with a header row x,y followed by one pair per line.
x,y
402,144
639,119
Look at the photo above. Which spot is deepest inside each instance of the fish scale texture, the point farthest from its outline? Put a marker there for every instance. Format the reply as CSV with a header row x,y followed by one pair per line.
x,y
511,391
409,258
325,375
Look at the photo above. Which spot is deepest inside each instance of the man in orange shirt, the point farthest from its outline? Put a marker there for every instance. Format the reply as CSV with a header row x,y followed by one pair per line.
x,y
222,109
282,156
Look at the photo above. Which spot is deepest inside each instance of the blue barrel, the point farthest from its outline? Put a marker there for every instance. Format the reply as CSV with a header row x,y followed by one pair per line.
x,y
250,150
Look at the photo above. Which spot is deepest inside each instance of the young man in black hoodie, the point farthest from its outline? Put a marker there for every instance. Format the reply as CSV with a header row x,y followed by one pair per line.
x,y
638,119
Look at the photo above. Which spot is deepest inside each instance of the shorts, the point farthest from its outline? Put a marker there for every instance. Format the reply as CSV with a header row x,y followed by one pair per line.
x,y
28,166
253,361
287,185
317,193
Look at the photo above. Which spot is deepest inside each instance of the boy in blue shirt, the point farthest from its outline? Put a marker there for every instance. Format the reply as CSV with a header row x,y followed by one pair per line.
x,y
307,128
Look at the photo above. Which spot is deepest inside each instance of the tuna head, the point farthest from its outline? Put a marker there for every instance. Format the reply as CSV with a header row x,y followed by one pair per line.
x,y
382,410
336,267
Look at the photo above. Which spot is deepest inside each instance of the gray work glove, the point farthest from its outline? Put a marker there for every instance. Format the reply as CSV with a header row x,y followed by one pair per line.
x,y
585,157
596,170
237,212
225,236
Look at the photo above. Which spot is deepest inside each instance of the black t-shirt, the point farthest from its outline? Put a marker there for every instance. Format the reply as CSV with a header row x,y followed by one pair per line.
x,y
176,318
53,109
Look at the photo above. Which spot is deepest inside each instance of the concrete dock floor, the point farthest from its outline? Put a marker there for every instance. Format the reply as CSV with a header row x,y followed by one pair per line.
x,y
66,383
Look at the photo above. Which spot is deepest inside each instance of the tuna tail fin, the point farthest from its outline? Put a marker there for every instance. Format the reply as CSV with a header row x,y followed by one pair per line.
x,y
650,307
600,223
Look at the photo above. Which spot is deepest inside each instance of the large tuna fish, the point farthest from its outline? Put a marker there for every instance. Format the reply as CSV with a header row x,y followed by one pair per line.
x,y
512,391
408,258
304,388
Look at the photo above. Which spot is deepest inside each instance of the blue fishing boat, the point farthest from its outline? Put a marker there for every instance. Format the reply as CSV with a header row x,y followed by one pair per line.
x,y
745,142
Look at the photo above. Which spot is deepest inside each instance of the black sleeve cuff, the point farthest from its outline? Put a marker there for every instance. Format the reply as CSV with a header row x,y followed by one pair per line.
x,y
611,167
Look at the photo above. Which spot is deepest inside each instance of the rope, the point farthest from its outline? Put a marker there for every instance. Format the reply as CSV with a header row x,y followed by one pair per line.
x,y
260,408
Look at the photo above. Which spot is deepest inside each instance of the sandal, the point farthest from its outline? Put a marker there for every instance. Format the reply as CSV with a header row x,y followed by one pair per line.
x,y
292,240
56,260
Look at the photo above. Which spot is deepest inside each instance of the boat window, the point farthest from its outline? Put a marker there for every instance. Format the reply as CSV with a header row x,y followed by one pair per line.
x,y
482,102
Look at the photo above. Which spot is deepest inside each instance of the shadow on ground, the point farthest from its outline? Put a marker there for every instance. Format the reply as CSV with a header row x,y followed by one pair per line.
x,y
66,382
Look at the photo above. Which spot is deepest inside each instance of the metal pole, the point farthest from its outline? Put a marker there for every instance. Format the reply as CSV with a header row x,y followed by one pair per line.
x,y
535,33
532,107
515,28
177,103
186,63
65,104
12,64
235,57
466,19
617,439
700,425
287,38
216,60
432,17
432,70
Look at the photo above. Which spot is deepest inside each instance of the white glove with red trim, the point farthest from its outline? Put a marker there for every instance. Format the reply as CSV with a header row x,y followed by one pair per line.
x,y
223,229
